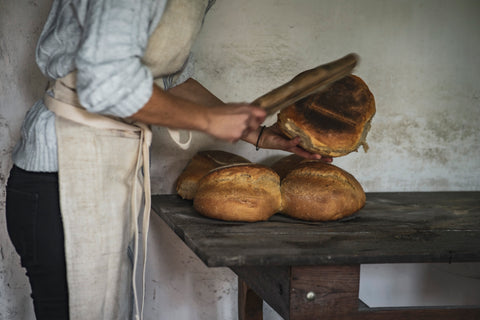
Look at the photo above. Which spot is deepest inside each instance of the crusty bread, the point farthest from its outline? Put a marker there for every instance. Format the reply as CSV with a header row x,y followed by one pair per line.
x,y
284,165
317,191
245,192
199,166
334,122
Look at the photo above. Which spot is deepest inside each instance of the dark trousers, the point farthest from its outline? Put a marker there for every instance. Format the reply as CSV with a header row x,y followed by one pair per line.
x,y
35,227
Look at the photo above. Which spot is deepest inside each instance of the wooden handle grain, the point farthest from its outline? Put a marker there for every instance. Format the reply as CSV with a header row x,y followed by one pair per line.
x,y
306,83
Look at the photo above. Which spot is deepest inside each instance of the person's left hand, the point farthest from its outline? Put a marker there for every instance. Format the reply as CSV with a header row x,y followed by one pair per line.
x,y
273,138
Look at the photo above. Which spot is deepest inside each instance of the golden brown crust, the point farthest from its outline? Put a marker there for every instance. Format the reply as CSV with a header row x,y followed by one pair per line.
x,y
248,192
199,166
286,164
318,191
334,122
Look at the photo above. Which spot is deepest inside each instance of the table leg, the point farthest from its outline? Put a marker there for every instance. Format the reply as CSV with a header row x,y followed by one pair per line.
x,y
250,305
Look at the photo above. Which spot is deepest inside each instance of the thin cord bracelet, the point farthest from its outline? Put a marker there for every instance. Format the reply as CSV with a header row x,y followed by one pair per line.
x,y
258,139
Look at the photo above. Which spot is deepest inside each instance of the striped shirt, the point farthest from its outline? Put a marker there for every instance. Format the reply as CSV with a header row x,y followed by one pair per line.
x,y
104,41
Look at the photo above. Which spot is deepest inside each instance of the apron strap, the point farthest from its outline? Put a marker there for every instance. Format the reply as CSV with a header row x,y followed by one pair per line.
x,y
144,152
175,135
79,115
65,104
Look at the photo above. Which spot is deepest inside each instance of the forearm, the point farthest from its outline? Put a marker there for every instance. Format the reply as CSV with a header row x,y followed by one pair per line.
x,y
191,106
193,91
172,110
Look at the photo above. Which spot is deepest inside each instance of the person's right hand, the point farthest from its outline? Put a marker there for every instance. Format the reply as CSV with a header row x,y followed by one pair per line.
x,y
233,121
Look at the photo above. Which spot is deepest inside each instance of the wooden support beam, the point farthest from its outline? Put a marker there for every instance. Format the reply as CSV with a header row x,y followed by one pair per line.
x,y
250,305
327,293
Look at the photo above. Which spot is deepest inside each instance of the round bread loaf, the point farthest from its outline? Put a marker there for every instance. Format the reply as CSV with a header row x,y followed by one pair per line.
x,y
245,192
333,122
318,191
199,166
284,165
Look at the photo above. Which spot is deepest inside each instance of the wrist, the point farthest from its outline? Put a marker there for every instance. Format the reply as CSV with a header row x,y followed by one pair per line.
x,y
207,117
252,136
262,128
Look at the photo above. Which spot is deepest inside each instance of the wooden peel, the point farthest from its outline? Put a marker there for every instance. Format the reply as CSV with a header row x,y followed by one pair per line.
x,y
307,83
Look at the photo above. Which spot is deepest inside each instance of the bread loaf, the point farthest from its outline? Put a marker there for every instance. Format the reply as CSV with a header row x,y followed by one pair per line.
x,y
286,164
245,192
334,122
199,166
317,191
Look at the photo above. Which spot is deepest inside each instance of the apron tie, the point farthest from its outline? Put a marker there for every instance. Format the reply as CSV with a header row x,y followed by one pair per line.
x,y
146,139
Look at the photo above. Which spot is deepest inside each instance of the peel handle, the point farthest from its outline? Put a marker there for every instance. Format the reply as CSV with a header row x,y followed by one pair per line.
x,y
306,83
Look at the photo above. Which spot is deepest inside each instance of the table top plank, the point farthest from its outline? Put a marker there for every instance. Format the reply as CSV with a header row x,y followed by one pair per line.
x,y
391,228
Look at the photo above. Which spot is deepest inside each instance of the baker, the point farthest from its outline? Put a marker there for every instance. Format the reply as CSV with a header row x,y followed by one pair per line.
x,y
80,179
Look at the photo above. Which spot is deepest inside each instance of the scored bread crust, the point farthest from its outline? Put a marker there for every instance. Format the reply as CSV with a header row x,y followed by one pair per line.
x,y
318,191
333,122
201,163
243,192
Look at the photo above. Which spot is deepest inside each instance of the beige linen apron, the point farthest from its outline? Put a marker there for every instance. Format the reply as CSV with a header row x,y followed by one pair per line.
x,y
101,182
100,185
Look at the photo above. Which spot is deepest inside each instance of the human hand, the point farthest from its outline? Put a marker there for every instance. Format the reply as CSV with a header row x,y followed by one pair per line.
x,y
233,121
273,138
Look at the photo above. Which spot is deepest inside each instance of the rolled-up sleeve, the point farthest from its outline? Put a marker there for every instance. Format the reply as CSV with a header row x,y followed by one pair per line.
x,y
111,78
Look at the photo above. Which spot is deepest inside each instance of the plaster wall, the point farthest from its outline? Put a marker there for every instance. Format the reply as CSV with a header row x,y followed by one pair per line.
x,y
21,83
420,60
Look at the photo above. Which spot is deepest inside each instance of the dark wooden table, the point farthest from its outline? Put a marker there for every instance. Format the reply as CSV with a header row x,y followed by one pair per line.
x,y
311,270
